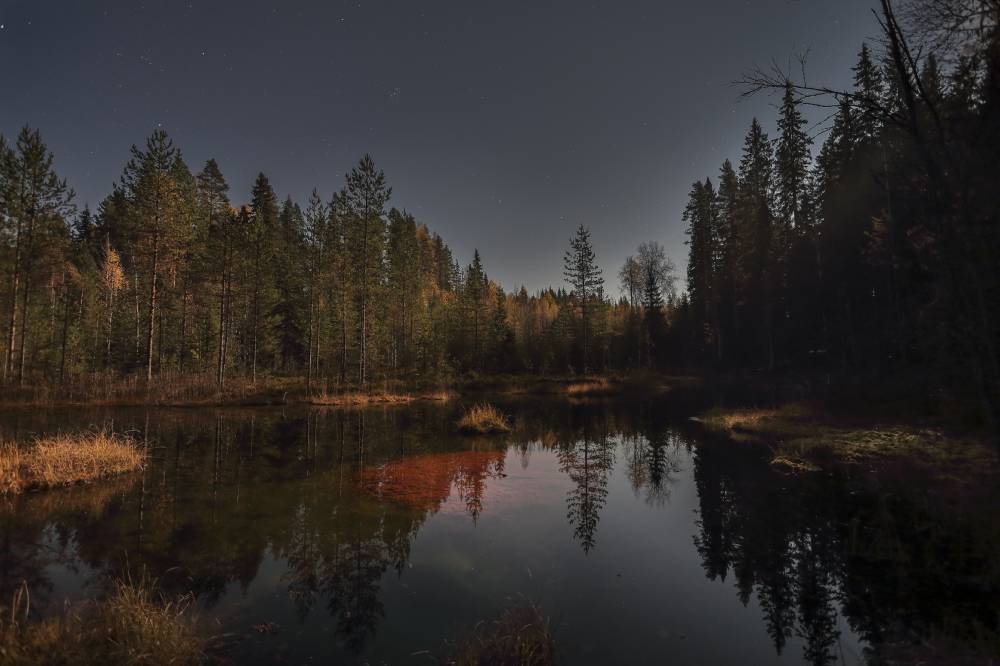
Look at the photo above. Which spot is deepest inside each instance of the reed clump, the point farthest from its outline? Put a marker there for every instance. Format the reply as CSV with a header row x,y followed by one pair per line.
x,y
67,459
133,625
521,635
483,419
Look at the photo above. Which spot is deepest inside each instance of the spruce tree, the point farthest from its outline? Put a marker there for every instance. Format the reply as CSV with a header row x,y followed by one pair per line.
x,y
363,201
219,252
792,162
584,275
757,253
261,235
869,86
153,201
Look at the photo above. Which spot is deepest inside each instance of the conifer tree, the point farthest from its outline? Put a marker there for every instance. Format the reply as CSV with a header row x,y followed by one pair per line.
x,y
364,200
37,204
261,234
584,275
757,253
221,246
868,82
791,161
289,284
700,215
728,243
316,243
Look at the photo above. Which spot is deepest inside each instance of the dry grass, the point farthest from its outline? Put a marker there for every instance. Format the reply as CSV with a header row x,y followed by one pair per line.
x,y
598,386
358,399
133,625
63,460
753,420
805,438
483,419
520,636
364,399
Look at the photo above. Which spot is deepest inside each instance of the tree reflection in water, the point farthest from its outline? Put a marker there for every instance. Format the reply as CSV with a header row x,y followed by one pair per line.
x,y
900,568
336,499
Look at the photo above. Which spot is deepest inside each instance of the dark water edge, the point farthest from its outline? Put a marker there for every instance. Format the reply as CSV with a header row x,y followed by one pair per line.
x,y
376,535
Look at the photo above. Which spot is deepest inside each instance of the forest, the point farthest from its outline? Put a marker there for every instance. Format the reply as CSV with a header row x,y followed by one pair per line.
x,y
861,250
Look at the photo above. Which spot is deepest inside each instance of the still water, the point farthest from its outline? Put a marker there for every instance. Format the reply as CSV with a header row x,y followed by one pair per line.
x,y
376,535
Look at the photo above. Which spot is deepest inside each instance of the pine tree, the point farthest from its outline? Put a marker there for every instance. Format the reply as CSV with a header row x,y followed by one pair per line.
x,y
474,293
727,242
221,246
289,284
364,200
261,235
584,275
37,204
757,253
317,239
792,162
869,85
700,215
404,283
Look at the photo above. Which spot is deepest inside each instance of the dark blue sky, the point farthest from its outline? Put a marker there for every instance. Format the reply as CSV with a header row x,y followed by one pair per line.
x,y
501,125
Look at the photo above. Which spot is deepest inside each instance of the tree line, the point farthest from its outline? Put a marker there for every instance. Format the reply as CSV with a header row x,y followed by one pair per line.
x,y
873,255
878,256
169,275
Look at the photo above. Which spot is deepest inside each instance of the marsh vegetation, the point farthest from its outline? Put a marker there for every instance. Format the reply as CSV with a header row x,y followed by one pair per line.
x,y
65,459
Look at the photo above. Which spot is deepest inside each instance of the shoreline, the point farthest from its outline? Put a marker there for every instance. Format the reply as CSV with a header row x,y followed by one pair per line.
x,y
808,437
293,391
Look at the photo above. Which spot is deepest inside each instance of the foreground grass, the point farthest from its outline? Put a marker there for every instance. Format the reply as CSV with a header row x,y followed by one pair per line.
x,y
483,419
804,437
64,460
520,636
133,625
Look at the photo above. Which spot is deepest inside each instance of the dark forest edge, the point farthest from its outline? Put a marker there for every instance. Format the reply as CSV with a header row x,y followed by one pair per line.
x,y
873,265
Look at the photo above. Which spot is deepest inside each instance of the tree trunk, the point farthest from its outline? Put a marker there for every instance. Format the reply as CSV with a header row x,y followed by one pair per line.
x,y
312,328
152,310
111,313
362,362
65,333
15,280
180,354
220,370
24,328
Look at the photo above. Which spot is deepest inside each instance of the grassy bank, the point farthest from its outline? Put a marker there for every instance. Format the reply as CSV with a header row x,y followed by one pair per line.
x,y
132,625
63,460
807,437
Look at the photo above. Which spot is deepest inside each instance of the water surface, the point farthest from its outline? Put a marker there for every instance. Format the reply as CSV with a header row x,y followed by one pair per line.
x,y
376,535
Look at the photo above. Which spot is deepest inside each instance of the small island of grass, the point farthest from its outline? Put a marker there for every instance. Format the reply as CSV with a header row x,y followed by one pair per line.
x,y
63,460
483,419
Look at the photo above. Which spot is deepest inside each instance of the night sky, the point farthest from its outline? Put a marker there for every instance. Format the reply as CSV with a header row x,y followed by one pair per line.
x,y
501,125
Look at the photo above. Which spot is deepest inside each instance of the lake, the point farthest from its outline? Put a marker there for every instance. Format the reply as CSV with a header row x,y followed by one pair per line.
x,y
377,535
